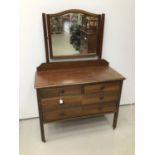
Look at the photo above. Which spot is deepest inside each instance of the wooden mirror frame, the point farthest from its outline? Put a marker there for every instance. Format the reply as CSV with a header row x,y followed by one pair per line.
x,y
47,36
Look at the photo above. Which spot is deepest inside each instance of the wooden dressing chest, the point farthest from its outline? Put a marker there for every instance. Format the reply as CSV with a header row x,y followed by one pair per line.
x,y
75,89
68,90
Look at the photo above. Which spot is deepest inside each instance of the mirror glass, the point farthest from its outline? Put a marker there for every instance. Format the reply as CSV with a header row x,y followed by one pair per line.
x,y
73,34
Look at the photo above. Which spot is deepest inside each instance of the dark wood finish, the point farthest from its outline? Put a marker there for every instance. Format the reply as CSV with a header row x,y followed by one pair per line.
x,y
49,104
102,87
62,114
99,98
45,37
97,44
97,109
90,55
101,31
49,36
87,88
75,76
40,117
72,64
117,107
60,91
77,89
74,11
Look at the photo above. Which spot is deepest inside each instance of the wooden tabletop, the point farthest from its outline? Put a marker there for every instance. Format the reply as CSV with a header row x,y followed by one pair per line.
x,y
74,76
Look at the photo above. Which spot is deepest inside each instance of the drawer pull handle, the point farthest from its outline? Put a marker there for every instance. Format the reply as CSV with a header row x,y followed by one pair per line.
x,y
62,91
102,87
99,108
101,98
61,114
61,101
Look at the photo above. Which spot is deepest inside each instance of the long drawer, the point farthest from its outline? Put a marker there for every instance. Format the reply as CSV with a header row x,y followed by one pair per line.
x,y
54,103
78,111
61,114
102,87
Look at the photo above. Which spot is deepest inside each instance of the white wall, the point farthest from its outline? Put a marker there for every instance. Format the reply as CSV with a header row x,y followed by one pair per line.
x,y
118,41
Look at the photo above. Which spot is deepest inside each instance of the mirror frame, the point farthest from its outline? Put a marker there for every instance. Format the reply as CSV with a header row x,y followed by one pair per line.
x,y
48,38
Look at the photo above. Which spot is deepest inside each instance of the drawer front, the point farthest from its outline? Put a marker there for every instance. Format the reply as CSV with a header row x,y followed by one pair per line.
x,y
103,87
61,114
100,98
60,91
54,103
97,109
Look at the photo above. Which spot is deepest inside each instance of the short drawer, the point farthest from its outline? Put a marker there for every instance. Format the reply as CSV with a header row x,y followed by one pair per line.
x,y
59,91
99,108
103,87
100,98
62,114
49,104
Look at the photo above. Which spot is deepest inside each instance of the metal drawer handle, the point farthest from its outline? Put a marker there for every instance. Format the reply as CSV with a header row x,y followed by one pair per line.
x,y
61,101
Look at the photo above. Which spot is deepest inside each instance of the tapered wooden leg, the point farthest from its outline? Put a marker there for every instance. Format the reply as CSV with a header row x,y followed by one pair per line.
x,y
40,118
117,107
42,131
115,120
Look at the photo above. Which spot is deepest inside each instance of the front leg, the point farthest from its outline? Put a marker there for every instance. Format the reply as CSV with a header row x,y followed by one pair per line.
x,y
40,117
42,131
115,120
117,107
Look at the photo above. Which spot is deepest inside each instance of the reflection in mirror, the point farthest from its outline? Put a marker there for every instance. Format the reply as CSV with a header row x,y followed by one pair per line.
x,y
73,34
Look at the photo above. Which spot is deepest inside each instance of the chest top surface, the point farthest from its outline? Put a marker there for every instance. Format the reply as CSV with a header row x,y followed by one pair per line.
x,y
75,76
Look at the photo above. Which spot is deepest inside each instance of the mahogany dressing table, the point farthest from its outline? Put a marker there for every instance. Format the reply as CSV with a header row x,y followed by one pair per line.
x,y
80,88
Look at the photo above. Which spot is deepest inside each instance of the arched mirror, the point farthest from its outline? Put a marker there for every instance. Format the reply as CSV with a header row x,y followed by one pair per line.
x,y
73,34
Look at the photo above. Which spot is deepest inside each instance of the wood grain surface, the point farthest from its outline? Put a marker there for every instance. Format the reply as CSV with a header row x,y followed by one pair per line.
x,y
73,76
